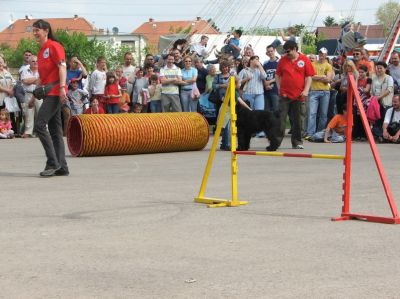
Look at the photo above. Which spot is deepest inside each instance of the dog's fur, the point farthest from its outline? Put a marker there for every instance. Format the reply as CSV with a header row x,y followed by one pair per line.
x,y
250,122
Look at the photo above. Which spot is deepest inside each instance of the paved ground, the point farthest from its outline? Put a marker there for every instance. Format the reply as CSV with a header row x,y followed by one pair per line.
x,y
127,227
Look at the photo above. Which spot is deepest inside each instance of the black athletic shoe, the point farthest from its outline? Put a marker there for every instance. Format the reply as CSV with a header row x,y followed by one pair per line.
x,y
61,172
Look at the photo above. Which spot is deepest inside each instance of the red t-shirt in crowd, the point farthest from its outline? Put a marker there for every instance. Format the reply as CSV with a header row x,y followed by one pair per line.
x,y
112,89
90,111
49,58
292,74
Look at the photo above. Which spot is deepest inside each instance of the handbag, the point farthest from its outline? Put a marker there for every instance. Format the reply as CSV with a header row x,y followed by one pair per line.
x,y
11,104
19,92
195,92
393,127
42,91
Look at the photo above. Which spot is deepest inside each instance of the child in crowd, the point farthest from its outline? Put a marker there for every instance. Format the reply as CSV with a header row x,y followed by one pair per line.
x,y
155,94
125,99
78,98
335,132
138,85
94,108
137,108
6,131
112,94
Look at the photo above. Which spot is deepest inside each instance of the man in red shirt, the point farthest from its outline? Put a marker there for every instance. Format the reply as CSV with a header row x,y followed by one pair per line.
x,y
293,77
52,72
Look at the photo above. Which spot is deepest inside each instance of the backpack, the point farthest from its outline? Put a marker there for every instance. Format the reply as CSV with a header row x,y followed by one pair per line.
x,y
373,110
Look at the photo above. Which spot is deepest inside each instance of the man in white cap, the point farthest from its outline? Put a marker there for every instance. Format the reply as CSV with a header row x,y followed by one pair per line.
x,y
318,99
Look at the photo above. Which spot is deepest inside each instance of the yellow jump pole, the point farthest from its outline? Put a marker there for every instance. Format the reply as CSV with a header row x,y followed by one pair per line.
x,y
221,116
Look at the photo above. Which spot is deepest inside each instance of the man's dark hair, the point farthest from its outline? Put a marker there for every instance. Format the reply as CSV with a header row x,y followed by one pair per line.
x,y
271,46
290,45
239,32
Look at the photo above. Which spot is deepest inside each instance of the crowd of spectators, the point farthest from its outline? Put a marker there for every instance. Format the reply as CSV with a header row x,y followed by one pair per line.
x,y
183,78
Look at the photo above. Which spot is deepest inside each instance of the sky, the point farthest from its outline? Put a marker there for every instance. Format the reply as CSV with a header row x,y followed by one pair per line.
x,y
127,15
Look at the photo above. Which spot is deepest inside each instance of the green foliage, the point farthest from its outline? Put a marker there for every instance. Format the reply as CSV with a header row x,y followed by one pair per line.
x,y
330,22
74,44
387,13
14,57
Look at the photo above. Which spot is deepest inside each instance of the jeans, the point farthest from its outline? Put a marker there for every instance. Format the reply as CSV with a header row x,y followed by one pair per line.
x,y
170,103
188,104
334,138
271,101
112,108
155,106
256,100
318,104
226,137
49,115
332,105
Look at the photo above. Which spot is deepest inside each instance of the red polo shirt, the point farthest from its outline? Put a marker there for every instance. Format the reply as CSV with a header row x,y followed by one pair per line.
x,y
49,57
292,74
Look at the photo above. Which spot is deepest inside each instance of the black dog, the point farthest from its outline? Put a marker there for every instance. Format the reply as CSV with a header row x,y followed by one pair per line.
x,y
250,122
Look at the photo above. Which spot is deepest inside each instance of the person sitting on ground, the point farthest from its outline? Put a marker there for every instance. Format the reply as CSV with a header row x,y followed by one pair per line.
x,y
94,108
6,131
335,132
391,124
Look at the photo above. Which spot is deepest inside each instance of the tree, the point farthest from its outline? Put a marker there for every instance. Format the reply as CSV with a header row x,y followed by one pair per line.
x,y
387,13
330,22
74,44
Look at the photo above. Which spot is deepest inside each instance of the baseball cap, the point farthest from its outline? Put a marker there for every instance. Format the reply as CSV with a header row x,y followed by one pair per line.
x,y
323,50
74,80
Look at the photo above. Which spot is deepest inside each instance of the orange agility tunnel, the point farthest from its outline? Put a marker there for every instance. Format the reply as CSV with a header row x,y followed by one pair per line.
x,y
136,133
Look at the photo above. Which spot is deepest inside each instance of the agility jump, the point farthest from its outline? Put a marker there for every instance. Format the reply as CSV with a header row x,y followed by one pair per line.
x,y
345,214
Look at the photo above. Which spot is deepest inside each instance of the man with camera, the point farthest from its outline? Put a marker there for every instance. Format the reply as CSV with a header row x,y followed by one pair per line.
x,y
391,124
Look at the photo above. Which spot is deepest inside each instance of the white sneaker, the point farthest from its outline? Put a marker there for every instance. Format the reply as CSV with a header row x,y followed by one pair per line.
x,y
299,146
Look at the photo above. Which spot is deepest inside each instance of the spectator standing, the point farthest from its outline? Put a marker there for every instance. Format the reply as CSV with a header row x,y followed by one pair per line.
x,y
112,94
189,76
359,60
139,84
293,76
76,70
7,83
391,124
170,77
155,94
318,99
341,98
30,107
98,81
178,61
394,67
26,57
52,70
201,75
381,87
129,70
271,95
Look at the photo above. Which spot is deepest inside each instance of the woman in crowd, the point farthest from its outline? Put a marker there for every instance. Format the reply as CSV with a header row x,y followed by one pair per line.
x,y
7,83
341,98
382,87
189,76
